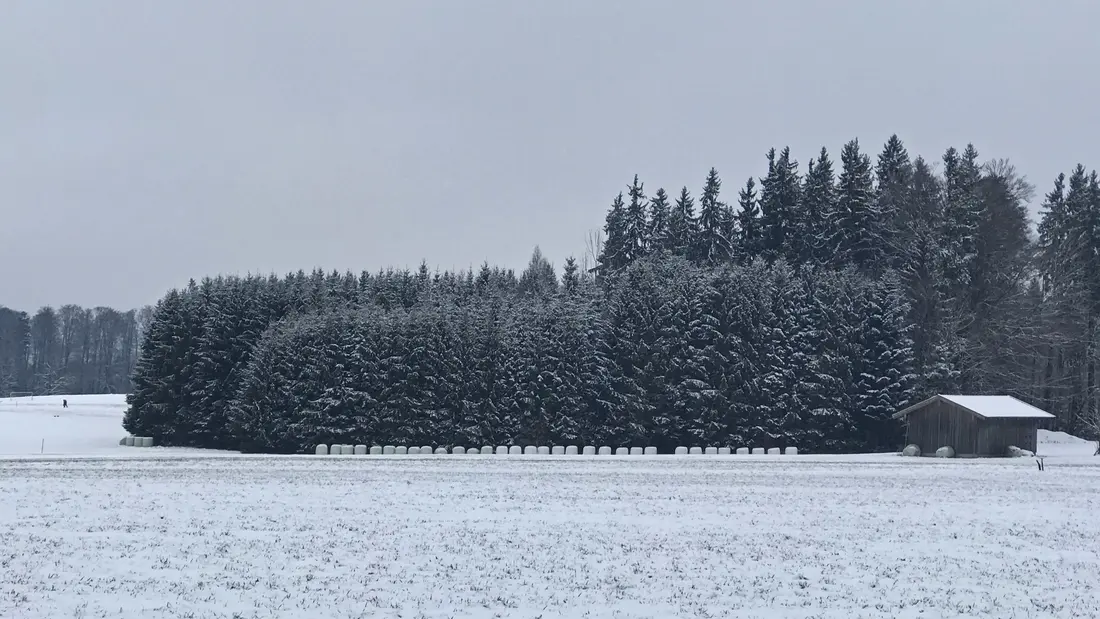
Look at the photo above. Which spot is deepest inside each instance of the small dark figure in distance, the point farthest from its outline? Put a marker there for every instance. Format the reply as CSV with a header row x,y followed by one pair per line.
x,y
64,404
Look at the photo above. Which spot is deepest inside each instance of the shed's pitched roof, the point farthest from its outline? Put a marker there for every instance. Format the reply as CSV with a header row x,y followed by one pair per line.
x,y
985,406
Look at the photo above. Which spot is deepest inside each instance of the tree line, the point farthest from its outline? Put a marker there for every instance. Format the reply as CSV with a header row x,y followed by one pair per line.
x,y
69,350
804,312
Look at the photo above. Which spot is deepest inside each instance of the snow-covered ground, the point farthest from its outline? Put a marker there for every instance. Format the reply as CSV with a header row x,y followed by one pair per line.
x,y
166,533
90,426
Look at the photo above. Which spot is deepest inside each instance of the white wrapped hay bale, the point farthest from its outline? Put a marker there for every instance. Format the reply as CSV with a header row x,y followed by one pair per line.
x,y
515,450
773,451
129,441
711,451
681,451
413,451
622,451
458,450
742,451
347,450
322,450
651,451
376,450
486,450
426,450
1016,452
360,450
544,450
791,451
389,450
571,450
530,450
636,451
400,450
589,450
122,441
605,451
440,451
146,441
945,452
502,450
558,450
757,451
695,451
911,451
724,451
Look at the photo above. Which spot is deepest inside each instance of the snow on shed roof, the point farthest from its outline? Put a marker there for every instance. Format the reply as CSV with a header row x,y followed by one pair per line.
x,y
987,407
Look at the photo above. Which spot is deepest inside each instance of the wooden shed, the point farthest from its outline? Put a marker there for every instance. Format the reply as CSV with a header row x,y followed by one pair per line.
x,y
973,425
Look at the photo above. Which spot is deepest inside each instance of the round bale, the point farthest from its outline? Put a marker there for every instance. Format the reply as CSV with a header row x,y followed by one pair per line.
x,y
589,450
360,450
945,452
650,451
322,450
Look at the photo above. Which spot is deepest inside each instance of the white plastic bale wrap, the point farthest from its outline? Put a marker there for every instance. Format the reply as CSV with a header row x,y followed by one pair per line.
x,y
571,450
360,450
425,450
388,450
502,450
558,450
129,441
681,451
458,450
322,450
487,450
605,451
911,451
773,451
413,451
515,450
636,451
791,451
742,451
530,450
347,450
757,451
711,451
723,451
622,451
1016,452
122,441
376,450
651,451
945,452
401,450
589,450
440,451
696,451
544,450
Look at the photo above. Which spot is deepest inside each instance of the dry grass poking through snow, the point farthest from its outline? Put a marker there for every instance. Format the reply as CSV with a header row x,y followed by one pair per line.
x,y
484,537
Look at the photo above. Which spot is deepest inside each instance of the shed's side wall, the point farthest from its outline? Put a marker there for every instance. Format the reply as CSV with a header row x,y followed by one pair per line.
x,y
943,423
995,435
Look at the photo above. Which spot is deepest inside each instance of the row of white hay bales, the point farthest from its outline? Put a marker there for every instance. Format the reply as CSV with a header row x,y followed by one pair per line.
x,y
532,450
136,441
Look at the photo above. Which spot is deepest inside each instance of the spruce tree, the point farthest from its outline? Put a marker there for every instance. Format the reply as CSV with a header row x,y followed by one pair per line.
x,y
860,225
615,254
682,226
779,199
637,227
750,239
712,245
658,233
817,228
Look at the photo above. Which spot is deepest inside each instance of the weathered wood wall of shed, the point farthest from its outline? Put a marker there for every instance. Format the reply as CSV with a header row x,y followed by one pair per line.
x,y
995,435
943,423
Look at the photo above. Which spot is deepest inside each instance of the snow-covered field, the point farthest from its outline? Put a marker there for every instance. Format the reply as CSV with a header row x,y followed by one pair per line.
x,y
169,534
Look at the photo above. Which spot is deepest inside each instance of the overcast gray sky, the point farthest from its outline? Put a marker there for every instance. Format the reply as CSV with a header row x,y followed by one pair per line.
x,y
144,143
